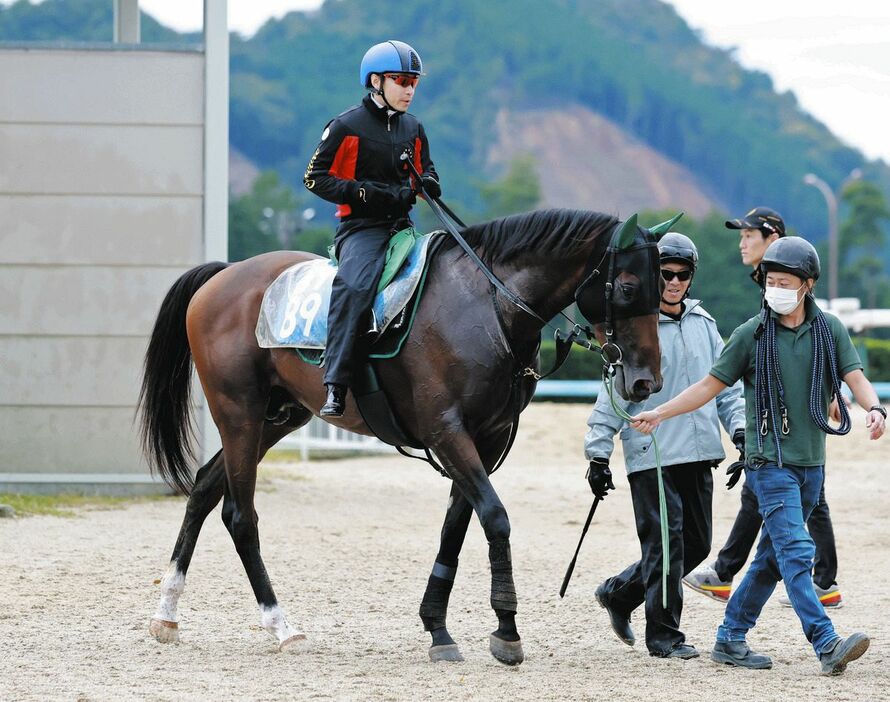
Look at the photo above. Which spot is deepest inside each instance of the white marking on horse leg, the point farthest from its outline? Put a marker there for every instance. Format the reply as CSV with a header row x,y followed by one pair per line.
x,y
172,585
273,620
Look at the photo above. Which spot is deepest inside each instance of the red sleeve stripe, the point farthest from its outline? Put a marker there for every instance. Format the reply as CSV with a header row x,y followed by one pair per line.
x,y
343,166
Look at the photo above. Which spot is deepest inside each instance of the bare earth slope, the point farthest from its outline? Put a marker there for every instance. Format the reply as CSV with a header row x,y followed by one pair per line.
x,y
586,161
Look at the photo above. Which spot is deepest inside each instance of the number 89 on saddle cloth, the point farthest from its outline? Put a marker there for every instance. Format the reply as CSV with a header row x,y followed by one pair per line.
x,y
294,311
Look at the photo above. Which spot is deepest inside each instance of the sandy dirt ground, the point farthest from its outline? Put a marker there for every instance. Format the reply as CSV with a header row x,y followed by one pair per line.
x,y
349,545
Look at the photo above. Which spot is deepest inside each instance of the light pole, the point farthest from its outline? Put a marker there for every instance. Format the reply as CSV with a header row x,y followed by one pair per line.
x,y
831,201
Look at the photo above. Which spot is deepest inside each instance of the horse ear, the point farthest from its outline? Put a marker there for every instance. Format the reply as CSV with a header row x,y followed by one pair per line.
x,y
626,233
659,230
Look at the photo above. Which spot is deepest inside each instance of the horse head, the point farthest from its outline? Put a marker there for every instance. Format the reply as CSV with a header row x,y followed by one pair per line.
x,y
621,297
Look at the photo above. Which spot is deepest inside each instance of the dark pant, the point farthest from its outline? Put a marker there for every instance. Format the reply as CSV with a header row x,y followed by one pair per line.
x,y
734,554
688,488
361,256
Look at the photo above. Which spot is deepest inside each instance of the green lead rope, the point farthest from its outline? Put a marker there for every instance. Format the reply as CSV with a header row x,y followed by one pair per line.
x,y
662,502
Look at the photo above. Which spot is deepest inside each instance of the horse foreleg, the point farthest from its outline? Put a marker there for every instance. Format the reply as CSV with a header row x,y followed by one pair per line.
x,y
434,606
462,462
205,496
241,447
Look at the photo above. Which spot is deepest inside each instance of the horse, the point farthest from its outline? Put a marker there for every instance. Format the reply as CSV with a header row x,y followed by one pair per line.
x,y
468,366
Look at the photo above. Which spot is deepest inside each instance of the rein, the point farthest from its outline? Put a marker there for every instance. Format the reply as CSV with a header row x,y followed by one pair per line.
x,y
440,209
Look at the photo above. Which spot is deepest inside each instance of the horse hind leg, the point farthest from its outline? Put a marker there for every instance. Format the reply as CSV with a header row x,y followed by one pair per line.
x,y
434,606
241,436
205,496
208,491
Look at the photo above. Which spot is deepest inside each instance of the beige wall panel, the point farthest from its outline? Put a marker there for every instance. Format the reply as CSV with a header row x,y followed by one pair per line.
x,y
65,371
101,86
69,440
94,160
82,300
101,230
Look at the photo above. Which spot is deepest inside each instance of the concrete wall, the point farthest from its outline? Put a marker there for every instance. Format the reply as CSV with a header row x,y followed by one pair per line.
x,y
101,209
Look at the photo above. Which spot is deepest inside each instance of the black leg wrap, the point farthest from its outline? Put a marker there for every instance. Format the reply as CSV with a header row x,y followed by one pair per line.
x,y
503,591
434,606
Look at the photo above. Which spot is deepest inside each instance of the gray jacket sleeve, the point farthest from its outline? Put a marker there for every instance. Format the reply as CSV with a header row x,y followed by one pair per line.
x,y
731,401
602,426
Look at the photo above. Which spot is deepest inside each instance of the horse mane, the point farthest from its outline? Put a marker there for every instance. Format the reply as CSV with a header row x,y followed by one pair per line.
x,y
561,232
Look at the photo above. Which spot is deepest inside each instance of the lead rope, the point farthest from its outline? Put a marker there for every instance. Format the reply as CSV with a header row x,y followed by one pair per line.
x,y
608,372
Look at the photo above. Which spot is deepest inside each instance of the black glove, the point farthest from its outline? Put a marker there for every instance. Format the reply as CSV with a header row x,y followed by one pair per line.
x,y
431,186
738,438
377,195
404,197
734,471
600,477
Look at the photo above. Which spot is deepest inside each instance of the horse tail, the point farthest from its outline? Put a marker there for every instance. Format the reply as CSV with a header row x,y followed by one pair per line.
x,y
165,426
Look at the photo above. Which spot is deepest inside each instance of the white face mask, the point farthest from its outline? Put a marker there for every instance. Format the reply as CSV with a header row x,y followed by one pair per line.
x,y
782,300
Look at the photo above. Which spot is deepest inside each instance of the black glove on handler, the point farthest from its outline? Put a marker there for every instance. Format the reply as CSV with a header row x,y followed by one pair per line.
x,y
600,477
734,471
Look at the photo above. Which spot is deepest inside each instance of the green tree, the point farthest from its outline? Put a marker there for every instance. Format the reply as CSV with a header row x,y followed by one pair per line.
x,y
519,190
264,219
862,238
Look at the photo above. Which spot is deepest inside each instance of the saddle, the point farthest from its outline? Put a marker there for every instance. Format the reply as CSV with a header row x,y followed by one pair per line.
x,y
294,311
294,315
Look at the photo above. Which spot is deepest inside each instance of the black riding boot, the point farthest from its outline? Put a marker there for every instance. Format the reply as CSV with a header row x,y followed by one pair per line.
x,y
335,404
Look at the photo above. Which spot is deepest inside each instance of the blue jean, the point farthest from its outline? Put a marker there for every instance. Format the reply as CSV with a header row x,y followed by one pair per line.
x,y
786,497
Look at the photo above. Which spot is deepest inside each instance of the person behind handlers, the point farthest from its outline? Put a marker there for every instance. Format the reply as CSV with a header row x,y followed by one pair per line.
x,y
758,229
358,166
689,449
784,355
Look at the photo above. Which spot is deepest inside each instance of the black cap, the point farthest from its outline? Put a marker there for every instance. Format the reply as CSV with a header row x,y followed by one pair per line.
x,y
762,218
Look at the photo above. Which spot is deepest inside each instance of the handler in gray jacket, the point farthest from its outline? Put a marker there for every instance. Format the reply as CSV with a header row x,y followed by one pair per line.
x,y
689,447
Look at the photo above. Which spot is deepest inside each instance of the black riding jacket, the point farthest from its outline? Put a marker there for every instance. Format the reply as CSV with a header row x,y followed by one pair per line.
x,y
364,144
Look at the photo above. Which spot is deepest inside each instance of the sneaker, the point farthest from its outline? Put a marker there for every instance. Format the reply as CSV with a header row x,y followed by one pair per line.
x,y
705,580
834,662
830,597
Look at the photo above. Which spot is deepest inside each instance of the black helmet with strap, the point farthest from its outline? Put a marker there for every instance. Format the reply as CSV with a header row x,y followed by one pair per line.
x,y
679,248
792,254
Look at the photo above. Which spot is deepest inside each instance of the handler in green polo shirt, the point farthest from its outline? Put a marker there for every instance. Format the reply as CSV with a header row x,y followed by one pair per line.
x,y
792,359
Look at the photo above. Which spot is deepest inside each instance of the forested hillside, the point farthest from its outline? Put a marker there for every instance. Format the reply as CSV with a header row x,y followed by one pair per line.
x,y
635,62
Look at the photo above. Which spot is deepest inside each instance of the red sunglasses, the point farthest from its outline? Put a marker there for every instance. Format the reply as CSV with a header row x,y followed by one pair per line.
x,y
403,79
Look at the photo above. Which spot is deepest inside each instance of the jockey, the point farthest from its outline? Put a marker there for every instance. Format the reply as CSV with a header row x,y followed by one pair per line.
x,y
358,166
689,448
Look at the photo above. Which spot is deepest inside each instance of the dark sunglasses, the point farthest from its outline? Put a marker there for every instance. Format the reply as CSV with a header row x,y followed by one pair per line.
x,y
682,276
403,79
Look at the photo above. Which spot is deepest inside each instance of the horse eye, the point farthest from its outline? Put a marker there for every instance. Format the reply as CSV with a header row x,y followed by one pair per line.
x,y
628,291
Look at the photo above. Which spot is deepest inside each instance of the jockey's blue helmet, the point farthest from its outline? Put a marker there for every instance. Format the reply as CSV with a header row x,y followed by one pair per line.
x,y
389,57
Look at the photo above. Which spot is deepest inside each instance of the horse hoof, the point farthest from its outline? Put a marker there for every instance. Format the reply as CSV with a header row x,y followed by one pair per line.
x,y
506,652
164,631
445,652
298,643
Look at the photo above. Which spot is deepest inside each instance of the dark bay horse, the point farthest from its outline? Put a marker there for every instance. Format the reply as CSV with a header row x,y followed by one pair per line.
x,y
451,386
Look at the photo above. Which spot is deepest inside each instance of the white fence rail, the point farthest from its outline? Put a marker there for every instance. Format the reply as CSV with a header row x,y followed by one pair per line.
x,y
321,436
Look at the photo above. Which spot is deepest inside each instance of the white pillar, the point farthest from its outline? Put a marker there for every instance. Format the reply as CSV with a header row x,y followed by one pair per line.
x,y
216,157
126,21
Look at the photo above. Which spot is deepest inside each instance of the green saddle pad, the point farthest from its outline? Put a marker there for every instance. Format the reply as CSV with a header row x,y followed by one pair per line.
x,y
400,245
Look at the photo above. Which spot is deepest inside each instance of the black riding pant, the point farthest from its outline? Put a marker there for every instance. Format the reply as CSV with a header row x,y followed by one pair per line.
x,y
688,489
361,256
734,554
